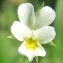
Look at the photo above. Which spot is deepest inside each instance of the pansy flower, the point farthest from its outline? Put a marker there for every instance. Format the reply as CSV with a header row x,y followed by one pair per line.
x,y
33,29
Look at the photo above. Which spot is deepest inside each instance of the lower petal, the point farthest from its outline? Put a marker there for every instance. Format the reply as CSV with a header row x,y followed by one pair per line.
x,y
31,53
24,51
40,51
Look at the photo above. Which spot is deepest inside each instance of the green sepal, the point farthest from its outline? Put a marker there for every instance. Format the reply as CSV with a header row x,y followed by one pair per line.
x,y
51,43
36,59
11,37
40,8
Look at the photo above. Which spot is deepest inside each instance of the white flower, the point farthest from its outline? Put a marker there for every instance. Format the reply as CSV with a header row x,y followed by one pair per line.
x,y
33,30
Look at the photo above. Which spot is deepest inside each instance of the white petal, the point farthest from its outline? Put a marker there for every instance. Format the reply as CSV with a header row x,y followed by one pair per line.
x,y
40,51
31,53
45,17
23,50
26,14
45,34
20,31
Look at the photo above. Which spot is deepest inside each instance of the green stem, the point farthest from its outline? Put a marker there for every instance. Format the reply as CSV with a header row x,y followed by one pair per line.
x,y
36,59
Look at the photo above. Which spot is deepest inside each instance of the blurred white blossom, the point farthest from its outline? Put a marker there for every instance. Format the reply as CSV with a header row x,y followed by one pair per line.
x,y
33,30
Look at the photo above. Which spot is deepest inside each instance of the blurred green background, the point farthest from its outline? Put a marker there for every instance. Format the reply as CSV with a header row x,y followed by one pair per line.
x,y
9,47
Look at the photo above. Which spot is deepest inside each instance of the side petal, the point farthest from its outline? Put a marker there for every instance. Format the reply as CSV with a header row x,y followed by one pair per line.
x,y
20,31
26,14
44,17
31,53
45,34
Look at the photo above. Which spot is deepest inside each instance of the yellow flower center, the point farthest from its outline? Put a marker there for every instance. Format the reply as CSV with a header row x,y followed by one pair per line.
x,y
31,44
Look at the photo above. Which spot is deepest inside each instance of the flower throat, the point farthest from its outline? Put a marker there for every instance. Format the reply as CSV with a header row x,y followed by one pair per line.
x,y
31,44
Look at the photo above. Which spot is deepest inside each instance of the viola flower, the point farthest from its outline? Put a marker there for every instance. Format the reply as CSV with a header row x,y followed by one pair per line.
x,y
33,30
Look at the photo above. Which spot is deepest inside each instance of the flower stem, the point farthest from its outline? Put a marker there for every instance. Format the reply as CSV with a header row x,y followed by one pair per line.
x,y
35,60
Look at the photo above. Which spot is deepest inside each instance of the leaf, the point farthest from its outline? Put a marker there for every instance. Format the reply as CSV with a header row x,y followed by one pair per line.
x,y
40,7
51,43
11,37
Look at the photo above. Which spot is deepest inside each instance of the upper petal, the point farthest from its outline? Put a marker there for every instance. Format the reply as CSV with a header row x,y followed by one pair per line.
x,y
20,31
44,17
26,14
31,53
45,34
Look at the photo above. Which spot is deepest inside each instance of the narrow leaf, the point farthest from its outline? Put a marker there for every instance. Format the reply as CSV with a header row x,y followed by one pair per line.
x,y
51,43
40,7
11,37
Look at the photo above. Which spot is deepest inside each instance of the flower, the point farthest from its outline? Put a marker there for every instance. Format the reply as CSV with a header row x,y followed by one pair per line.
x,y
33,30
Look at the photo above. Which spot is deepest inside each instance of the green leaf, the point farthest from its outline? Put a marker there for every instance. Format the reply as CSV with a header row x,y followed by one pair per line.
x,y
36,59
11,37
51,43
40,7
